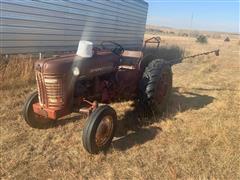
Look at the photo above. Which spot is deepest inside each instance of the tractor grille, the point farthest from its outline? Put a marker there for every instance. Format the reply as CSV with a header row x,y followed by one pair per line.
x,y
50,90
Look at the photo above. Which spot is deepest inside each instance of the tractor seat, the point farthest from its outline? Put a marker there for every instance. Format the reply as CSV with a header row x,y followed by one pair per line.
x,y
130,58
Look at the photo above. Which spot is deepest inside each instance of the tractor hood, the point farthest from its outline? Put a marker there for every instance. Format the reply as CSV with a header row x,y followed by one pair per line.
x,y
98,63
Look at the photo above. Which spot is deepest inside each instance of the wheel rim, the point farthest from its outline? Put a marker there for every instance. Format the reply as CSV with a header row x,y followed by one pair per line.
x,y
163,87
104,131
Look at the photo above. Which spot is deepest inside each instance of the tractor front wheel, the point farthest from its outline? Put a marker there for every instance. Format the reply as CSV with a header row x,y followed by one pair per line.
x,y
31,118
99,129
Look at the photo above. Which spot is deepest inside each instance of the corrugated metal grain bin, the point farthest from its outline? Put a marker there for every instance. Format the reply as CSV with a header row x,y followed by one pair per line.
x,y
58,25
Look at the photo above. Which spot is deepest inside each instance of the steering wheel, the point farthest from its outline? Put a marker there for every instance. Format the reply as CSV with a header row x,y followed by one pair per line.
x,y
118,49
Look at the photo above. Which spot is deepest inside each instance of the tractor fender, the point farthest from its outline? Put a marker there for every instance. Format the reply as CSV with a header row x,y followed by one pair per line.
x,y
145,61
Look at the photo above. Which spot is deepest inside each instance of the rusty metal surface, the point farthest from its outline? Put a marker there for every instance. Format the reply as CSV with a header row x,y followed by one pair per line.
x,y
132,54
64,64
56,81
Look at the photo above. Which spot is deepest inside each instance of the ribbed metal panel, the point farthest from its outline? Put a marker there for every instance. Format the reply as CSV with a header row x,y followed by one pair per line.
x,y
58,25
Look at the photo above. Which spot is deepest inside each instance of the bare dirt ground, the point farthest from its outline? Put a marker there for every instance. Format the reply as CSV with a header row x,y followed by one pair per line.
x,y
198,138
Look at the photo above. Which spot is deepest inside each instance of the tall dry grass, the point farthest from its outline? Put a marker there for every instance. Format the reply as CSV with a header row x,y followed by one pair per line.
x,y
166,52
198,138
16,70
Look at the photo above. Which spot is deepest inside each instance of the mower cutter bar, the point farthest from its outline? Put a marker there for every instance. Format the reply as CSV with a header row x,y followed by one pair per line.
x,y
176,61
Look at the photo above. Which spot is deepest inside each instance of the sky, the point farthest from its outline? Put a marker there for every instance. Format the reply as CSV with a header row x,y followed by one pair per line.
x,y
213,15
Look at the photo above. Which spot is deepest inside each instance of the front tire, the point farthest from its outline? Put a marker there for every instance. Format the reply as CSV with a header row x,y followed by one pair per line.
x,y
156,86
99,129
31,118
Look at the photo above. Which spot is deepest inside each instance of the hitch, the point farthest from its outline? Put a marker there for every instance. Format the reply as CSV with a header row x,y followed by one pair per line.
x,y
88,110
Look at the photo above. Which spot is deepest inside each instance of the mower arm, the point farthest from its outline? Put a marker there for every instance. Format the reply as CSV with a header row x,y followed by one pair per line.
x,y
176,61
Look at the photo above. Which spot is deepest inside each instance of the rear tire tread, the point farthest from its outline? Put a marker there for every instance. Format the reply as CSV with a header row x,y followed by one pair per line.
x,y
149,82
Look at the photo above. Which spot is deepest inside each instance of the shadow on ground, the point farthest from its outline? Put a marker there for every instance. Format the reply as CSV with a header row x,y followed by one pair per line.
x,y
69,119
136,122
186,100
140,136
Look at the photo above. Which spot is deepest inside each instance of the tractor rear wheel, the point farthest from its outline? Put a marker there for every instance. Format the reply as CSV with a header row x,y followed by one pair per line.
x,y
99,129
156,86
31,118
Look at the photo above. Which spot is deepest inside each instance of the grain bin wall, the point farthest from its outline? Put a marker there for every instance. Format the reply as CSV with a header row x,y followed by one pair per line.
x,y
58,25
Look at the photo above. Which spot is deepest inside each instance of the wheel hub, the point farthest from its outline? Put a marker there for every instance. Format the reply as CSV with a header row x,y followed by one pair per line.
x,y
104,131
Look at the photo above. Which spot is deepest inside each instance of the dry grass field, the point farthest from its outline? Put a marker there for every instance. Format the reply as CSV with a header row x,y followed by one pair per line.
x,y
197,138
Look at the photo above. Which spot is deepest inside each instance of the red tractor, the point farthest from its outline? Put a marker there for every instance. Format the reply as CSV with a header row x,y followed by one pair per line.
x,y
71,83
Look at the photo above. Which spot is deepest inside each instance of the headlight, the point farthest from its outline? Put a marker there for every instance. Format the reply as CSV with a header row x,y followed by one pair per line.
x,y
76,71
